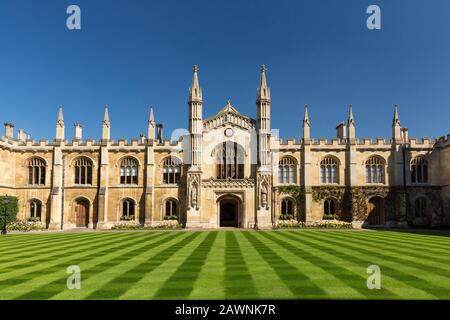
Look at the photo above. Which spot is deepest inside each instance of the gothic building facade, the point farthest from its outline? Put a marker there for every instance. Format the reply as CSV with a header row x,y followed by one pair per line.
x,y
229,170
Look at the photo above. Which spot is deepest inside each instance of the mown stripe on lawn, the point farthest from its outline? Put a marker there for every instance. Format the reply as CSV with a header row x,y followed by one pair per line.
x,y
132,276
415,245
408,257
296,281
182,281
60,265
41,240
353,257
51,254
396,273
441,241
413,253
42,244
132,248
238,281
351,279
25,257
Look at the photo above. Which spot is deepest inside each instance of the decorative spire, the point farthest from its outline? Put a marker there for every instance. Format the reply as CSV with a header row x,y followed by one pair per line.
x,y
151,119
151,125
351,118
106,116
106,126
396,120
306,117
195,92
306,125
60,120
351,124
60,125
263,91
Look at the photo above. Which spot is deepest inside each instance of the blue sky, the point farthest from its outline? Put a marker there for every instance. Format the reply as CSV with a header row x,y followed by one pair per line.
x,y
133,54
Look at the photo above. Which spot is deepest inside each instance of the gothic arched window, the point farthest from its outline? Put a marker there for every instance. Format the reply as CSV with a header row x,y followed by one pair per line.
x,y
230,161
83,171
128,208
419,170
375,170
35,210
129,171
329,208
171,170
171,208
287,207
329,170
287,170
36,171
420,206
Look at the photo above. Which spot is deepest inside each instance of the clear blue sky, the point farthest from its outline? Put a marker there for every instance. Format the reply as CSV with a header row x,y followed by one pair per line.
x,y
133,54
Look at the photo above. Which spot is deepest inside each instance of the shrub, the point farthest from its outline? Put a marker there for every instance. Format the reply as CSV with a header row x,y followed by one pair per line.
x,y
292,224
25,226
11,211
330,217
286,217
34,219
171,217
166,225
127,218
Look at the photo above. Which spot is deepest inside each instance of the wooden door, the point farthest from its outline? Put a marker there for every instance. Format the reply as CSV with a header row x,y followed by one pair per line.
x,y
375,211
81,214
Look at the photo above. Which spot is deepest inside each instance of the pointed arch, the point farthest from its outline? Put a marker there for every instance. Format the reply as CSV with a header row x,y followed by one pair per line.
x,y
329,170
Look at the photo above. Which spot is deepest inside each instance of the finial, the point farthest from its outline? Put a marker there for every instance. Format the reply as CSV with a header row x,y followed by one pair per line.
x,y
351,118
263,68
306,115
195,68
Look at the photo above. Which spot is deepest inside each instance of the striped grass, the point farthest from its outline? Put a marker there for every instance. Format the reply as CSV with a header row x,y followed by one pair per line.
x,y
307,264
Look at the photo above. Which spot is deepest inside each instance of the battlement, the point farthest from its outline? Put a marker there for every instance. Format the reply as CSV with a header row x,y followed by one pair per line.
x,y
328,142
290,142
374,142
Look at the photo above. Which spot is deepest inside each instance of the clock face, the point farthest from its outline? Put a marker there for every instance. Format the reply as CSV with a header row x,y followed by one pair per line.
x,y
229,132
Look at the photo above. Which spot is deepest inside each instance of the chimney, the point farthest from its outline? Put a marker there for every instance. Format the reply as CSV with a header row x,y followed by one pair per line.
x,y
341,131
78,131
159,132
22,135
9,130
405,135
142,138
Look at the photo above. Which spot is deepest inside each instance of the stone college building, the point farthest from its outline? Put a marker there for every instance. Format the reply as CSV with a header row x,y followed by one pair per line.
x,y
228,170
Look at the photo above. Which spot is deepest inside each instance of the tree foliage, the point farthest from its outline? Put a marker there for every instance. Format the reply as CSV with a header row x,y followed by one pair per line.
x,y
11,210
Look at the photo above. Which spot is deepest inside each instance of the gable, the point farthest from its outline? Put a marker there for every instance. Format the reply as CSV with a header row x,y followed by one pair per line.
x,y
226,116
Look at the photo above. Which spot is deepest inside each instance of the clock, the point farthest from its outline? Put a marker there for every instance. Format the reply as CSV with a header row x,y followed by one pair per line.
x,y
229,132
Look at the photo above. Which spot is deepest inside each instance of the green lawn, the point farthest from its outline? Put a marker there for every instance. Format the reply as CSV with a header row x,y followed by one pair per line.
x,y
225,265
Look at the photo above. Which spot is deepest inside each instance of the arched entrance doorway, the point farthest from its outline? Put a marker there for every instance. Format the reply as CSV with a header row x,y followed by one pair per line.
x,y
375,210
81,213
229,213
